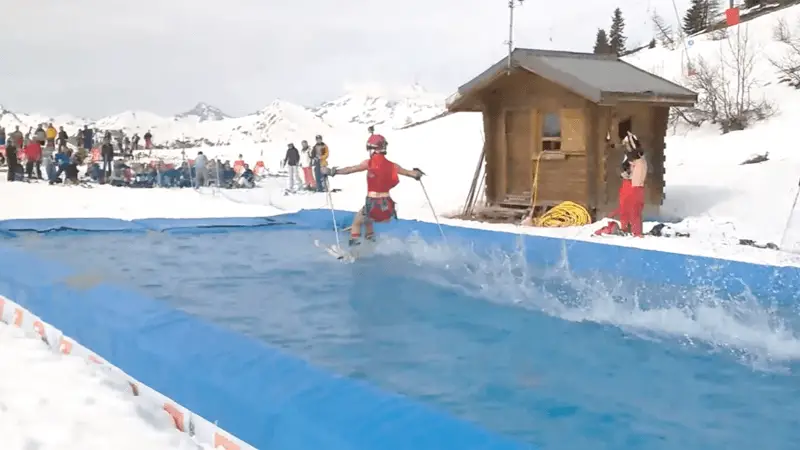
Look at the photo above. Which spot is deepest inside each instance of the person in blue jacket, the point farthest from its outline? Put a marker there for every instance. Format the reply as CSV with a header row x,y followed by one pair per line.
x,y
62,161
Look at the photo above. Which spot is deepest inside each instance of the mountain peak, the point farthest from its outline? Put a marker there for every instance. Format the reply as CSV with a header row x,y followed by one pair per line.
x,y
204,112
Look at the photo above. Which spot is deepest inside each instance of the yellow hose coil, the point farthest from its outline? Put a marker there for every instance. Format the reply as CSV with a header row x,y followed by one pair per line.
x,y
565,214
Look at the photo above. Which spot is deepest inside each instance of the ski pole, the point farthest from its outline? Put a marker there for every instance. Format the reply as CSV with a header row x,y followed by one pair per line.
x,y
791,213
333,212
433,211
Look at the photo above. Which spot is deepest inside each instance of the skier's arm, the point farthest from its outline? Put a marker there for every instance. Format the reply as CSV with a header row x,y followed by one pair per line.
x,y
415,173
364,165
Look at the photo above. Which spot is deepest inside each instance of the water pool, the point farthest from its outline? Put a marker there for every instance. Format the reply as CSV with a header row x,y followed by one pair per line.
x,y
545,357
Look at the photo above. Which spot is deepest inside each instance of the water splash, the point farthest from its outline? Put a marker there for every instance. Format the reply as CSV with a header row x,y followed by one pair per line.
x,y
764,336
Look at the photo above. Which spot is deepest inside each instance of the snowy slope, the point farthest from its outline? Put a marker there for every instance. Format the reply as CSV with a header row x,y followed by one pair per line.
x,y
203,112
279,122
376,105
10,119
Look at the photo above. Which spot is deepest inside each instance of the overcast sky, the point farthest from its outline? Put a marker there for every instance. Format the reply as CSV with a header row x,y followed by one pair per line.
x,y
99,57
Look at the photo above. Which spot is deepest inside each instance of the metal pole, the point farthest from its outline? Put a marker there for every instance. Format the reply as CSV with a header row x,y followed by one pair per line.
x,y
510,42
510,34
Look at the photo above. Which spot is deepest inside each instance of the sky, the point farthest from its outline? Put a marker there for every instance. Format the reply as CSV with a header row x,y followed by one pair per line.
x,y
94,58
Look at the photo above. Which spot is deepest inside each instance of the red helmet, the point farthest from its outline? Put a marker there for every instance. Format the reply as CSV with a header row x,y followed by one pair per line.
x,y
377,143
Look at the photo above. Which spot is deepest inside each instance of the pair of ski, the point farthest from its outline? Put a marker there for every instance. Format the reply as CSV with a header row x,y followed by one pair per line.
x,y
345,254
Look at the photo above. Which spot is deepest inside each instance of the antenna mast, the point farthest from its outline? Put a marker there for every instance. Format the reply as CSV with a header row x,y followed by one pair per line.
x,y
511,5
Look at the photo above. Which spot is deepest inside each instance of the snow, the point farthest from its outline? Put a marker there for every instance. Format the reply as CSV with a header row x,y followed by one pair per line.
x,y
49,401
708,192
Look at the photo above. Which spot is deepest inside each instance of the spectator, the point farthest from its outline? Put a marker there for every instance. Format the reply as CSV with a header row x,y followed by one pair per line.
x,y
51,134
291,161
201,170
247,179
62,161
321,153
33,154
40,136
11,158
107,153
63,138
118,174
306,159
2,144
148,140
88,138
135,142
16,137
71,171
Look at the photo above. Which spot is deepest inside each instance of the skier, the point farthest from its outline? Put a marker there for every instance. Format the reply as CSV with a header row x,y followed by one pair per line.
x,y
291,161
382,176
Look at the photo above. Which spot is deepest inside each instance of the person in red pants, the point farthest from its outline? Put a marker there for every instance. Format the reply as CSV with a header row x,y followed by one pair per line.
x,y
634,201
621,211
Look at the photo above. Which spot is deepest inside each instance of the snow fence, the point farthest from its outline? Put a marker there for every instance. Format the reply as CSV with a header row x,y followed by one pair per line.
x,y
233,392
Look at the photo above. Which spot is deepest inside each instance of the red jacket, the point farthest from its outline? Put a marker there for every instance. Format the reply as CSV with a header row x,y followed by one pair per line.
x,y
33,151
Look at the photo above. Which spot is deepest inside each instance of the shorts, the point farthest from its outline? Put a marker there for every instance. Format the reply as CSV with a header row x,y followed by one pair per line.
x,y
379,210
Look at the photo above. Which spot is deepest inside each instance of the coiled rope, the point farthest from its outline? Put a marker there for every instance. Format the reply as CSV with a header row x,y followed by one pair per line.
x,y
565,214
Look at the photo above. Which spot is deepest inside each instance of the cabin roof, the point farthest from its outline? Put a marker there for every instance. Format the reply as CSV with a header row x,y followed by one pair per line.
x,y
601,79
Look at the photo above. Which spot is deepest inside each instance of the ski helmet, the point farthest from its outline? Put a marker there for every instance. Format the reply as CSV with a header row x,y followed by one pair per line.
x,y
377,143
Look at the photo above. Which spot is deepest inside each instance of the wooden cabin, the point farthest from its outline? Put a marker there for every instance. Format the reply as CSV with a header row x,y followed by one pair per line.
x,y
562,115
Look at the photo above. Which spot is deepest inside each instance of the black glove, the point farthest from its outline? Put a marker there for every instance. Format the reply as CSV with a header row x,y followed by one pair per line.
x,y
419,173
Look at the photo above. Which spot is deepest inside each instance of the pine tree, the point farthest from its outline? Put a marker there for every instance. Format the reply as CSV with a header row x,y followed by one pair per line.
x,y
694,19
601,45
700,15
713,10
616,34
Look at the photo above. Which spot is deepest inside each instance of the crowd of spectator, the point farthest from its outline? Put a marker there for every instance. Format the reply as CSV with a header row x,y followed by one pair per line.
x,y
53,155
309,161
26,154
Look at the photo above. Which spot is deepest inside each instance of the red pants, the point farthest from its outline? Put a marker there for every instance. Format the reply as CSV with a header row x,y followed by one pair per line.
x,y
634,207
308,176
623,193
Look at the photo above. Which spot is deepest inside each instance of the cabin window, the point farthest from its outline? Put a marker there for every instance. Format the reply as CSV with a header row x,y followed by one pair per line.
x,y
551,131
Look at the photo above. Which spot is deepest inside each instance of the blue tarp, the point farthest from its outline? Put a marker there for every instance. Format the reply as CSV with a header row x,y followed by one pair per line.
x,y
258,393
585,258
732,277
273,400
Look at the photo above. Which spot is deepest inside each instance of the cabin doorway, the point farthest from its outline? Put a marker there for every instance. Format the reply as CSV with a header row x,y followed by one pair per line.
x,y
519,144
